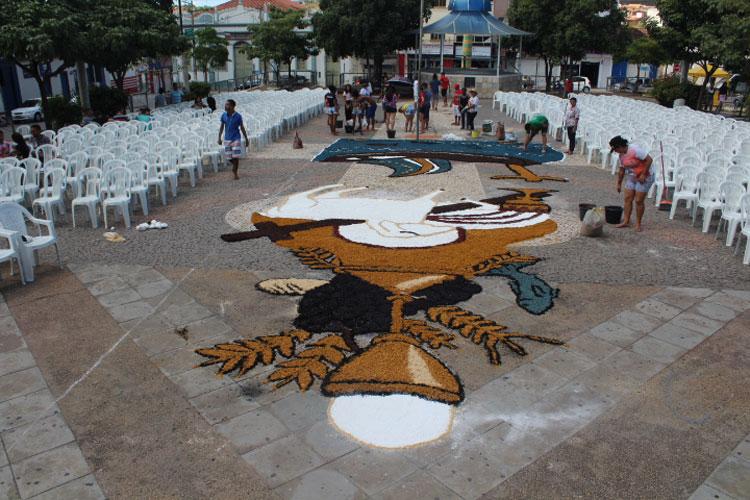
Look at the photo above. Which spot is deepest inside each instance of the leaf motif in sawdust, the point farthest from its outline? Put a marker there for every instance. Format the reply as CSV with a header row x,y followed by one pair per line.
x,y
312,362
317,258
482,331
431,336
246,354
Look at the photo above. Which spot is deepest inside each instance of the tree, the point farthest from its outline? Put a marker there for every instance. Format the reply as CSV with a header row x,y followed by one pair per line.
x,y
210,50
122,32
281,39
709,33
645,50
367,29
565,30
41,37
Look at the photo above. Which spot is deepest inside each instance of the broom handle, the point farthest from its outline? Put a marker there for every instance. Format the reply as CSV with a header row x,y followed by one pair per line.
x,y
663,172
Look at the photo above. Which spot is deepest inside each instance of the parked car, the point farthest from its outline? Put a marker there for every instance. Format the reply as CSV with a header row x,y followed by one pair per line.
x,y
581,84
30,110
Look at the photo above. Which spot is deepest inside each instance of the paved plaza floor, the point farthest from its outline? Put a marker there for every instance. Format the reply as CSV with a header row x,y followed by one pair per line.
x,y
634,384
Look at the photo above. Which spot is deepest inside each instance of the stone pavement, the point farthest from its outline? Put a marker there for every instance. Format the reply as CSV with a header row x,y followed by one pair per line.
x,y
100,395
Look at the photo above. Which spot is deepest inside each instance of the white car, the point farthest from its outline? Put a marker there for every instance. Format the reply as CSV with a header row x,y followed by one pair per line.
x,y
581,84
30,110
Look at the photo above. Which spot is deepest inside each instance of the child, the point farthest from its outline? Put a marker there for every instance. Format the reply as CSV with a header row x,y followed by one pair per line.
x,y
370,114
331,108
409,111
456,104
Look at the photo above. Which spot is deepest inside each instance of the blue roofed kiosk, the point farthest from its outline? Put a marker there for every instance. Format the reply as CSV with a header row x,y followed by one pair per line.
x,y
473,17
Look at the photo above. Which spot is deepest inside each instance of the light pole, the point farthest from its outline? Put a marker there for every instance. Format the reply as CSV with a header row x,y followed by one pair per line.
x,y
417,83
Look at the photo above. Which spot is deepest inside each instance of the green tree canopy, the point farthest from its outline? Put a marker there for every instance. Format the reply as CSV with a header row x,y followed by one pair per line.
x,y
646,50
281,39
710,33
42,37
370,29
120,33
210,50
565,30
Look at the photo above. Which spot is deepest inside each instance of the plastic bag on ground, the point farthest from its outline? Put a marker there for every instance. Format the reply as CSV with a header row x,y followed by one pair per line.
x,y
593,222
452,137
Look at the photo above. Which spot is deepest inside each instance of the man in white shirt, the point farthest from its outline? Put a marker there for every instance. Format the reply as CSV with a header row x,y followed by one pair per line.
x,y
572,114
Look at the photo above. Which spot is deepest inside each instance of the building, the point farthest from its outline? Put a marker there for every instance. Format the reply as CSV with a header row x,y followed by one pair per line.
x,y
231,20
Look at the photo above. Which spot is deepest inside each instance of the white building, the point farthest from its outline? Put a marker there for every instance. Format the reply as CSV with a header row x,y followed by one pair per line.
x,y
231,20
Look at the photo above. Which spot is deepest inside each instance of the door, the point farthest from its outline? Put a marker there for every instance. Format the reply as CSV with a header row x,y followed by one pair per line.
x,y
591,71
243,65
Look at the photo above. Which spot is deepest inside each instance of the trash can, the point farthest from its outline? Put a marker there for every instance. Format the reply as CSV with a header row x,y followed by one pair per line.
x,y
613,214
583,208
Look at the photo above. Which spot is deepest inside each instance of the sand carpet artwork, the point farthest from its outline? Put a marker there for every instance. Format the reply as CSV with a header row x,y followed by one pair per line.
x,y
373,333
407,158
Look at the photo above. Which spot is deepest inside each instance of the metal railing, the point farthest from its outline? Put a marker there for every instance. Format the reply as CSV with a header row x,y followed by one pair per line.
x,y
299,78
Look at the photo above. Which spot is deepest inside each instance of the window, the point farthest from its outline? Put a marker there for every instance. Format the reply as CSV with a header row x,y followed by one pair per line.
x,y
205,19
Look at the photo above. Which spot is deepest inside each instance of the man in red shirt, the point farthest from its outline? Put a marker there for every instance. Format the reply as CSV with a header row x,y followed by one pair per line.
x,y
444,86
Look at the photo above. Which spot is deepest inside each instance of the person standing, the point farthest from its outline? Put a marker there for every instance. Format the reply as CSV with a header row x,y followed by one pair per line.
x,y
331,108
231,124
572,114
457,104
538,123
177,94
390,100
434,90
424,108
445,84
347,102
472,109
463,103
639,166
161,98
722,95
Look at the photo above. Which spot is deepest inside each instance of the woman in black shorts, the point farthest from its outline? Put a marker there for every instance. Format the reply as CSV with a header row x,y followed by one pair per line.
x,y
390,99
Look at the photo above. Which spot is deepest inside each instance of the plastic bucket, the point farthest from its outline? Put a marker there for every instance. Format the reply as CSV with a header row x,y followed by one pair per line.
x,y
349,128
613,214
475,134
583,208
391,133
339,123
487,126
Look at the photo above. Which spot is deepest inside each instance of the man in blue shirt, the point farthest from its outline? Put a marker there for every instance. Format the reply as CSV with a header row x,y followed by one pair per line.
x,y
231,125
176,94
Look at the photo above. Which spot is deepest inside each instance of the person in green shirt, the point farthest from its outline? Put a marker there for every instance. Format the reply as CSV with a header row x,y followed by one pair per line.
x,y
538,123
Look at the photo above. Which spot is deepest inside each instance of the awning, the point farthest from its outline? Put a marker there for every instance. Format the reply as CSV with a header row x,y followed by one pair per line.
x,y
697,72
472,23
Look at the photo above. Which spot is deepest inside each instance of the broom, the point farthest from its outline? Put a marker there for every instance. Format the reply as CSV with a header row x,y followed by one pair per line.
x,y
665,205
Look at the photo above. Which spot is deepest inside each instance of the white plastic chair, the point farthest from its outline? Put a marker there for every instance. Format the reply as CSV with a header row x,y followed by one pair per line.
x,y
189,160
46,152
155,175
139,183
731,194
13,217
686,189
33,169
745,228
52,191
708,198
170,167
12,185
10,253
89,181
116,190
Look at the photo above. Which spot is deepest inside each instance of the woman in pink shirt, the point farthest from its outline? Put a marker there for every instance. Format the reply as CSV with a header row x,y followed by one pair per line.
x,y
637,162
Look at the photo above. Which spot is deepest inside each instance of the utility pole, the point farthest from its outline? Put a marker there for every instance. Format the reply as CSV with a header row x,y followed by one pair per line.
x,y
417,83
192,21
182,32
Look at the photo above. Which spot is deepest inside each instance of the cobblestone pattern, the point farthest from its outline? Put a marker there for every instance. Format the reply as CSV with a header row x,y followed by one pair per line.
x,y
39,458
502,426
